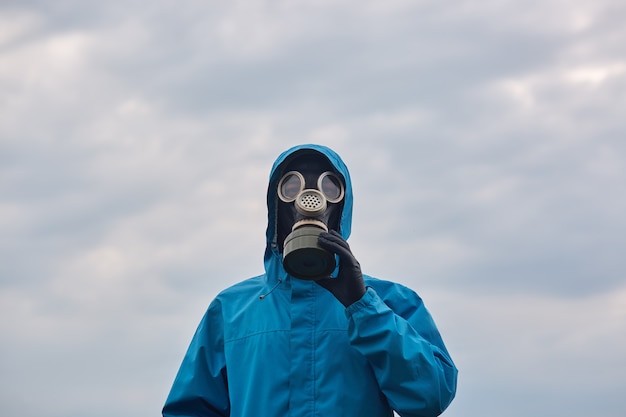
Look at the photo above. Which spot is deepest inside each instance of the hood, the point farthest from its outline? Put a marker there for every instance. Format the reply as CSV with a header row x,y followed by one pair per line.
x,y
273,259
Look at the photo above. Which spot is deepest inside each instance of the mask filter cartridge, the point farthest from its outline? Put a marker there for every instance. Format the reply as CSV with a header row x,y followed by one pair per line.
x,y
303,257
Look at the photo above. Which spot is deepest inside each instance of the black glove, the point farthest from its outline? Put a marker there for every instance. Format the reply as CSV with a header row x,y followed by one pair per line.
x,y
348,287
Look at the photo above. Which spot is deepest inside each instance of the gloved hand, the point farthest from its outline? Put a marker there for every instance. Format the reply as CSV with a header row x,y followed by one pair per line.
x,y
348,287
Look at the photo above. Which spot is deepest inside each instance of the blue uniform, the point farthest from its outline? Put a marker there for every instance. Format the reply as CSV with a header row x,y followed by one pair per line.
x,y
275,345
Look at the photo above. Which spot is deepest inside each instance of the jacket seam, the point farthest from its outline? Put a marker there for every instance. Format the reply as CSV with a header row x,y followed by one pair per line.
x,y
338,329
254,334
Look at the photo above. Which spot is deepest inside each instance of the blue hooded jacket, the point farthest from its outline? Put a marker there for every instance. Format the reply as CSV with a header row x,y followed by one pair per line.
x,y
275,346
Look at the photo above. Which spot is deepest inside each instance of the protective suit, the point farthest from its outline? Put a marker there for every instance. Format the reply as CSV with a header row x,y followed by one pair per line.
x,y
275,345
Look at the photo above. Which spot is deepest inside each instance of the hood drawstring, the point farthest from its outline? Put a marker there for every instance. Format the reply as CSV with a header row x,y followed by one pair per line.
x,y
280,281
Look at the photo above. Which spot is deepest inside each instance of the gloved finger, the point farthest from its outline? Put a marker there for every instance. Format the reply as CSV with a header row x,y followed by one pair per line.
x,y
336,239
331,244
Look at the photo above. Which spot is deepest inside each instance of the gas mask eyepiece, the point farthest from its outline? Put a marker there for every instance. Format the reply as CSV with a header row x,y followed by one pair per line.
x,y
302,256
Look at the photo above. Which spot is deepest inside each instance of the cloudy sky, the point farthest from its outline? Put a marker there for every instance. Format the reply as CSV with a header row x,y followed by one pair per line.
x,y
486,147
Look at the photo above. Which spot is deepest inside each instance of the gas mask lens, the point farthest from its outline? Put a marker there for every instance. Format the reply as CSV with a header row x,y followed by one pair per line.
x,y
293,183
290,186
330,185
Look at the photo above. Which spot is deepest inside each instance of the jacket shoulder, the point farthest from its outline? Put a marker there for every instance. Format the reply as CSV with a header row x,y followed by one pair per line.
x,y
245,288
382,286
398,297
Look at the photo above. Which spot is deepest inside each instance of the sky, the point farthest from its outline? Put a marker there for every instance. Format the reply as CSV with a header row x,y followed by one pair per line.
x,y
484,141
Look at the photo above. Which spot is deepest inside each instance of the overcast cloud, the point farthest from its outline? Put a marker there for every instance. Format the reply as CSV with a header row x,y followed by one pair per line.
x,y
485,141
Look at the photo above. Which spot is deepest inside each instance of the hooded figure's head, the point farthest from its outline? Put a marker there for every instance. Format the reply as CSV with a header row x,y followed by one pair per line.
x,y
309,192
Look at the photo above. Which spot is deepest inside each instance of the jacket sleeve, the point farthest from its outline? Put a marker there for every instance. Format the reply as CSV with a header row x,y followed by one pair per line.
x,y
200,388
405,350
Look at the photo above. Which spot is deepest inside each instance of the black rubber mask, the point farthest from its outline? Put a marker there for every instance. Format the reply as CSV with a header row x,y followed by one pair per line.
x,y
310,199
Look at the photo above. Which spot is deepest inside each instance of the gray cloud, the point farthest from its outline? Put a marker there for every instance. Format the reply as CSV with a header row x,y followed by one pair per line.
x,y
484,140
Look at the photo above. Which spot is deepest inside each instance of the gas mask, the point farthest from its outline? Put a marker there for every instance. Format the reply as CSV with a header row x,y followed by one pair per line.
x,y
309,211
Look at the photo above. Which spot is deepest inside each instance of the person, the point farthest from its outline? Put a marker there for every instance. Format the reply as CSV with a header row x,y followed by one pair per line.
x,y
344,344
